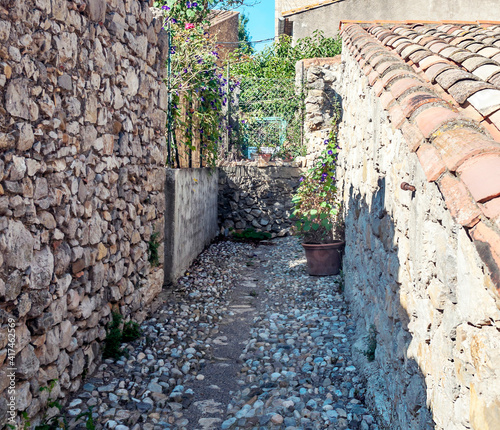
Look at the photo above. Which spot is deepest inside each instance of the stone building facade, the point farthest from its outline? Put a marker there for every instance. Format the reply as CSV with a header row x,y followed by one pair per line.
x,y
419,169
306,16
81,183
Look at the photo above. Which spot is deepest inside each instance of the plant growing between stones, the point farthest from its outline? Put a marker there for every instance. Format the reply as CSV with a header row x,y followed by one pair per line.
x,y
251,235
371,344
131,331
113,339
153,245
60,419
116,336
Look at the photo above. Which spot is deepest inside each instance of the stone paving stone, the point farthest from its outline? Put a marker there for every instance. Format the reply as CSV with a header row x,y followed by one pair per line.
x,y
292,364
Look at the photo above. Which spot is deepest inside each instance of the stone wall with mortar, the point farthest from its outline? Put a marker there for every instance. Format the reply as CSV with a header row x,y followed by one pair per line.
x,y
190,217
319,76
414,276
81,183
257,197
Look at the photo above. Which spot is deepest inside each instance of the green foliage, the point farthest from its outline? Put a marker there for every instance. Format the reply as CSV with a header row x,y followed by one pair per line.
x,y
271,107
113,339
316,206
371,344
115,336
153,245
244,35
278,60
131,331
251,235
342,281
195,11
60,420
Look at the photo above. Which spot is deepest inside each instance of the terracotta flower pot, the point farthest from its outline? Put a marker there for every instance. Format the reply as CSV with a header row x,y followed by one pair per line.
x,y
324,259
265,157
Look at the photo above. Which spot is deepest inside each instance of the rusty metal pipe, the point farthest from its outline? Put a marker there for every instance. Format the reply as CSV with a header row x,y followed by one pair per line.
x,y
407,187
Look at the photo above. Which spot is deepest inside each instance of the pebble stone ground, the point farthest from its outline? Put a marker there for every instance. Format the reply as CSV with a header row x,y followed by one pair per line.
x,y
246,340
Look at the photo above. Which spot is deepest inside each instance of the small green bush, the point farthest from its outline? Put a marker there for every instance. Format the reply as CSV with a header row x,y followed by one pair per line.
x,y
251,235
113,339
371,344
153,245
131,331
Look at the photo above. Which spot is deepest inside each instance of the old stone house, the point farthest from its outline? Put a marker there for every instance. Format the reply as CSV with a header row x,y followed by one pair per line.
x,y
300,18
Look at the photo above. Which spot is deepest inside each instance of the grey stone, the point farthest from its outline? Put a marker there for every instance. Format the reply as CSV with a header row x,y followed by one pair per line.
x,y
27,363
64,81
17,98
20,244
42,269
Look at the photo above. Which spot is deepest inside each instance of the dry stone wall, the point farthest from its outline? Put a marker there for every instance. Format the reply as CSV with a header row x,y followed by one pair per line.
x,y
413,277
81,183
257,197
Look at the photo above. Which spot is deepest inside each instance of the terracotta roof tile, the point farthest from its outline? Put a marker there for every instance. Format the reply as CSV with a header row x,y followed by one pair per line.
x,y
492,208
433,118
495,119
482,176
431,162
473,63
460,144
431,60
433,71
449,116
452,76
414,138
489,52
458,200
495,80
399,87
486,71
485,101
415,100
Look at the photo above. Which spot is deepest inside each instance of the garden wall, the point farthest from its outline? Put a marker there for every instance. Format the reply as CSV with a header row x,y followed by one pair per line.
x,y
412,274
190,217
82,178
257,197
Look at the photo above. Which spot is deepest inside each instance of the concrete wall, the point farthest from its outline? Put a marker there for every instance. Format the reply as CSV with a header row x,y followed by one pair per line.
x,y
327,18
414,275
190,217
257,197
81,184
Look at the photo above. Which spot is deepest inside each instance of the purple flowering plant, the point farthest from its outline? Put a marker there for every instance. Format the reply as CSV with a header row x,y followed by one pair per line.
x,y
316,204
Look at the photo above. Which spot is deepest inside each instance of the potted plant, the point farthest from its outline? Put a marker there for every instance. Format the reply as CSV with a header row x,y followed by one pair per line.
x,y
316,213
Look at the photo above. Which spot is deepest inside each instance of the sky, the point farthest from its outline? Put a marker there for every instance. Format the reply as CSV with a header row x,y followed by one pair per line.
x,y
261,21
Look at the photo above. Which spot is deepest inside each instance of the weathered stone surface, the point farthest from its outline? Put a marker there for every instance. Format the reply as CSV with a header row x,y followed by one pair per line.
x,y
42,269
27,363
72,117
17,99
20,244
26,137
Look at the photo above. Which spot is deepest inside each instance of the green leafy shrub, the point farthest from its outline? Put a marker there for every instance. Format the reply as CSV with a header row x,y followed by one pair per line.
x,y
113,339
371,344
251,235
131,331
153,246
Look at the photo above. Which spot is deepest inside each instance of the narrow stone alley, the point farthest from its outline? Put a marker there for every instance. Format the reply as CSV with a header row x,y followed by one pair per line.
x,y
245,340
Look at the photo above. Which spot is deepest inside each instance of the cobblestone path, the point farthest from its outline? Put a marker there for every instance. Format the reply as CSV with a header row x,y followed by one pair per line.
x,y
245,340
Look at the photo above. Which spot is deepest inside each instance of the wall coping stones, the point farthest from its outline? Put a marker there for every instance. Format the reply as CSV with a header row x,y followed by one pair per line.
x,y
452,141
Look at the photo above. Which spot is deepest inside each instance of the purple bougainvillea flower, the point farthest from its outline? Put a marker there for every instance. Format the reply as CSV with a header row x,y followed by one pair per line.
x,y
330,152
165,8
326,141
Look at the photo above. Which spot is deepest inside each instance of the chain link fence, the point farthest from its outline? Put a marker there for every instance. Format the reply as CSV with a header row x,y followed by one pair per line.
x,y
264,116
